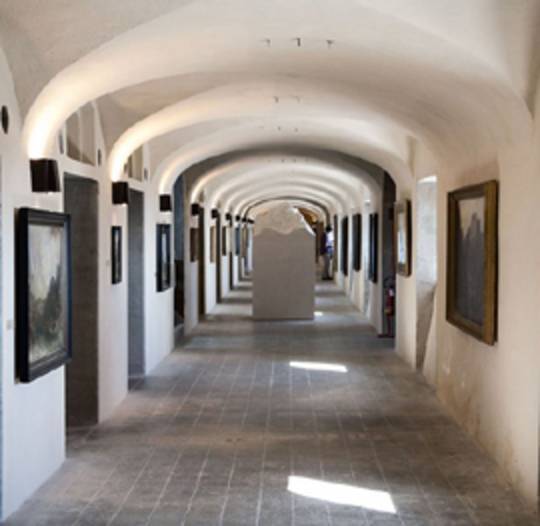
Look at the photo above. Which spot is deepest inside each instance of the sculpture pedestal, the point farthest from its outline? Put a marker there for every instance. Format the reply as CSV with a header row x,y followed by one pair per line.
x,y
284,275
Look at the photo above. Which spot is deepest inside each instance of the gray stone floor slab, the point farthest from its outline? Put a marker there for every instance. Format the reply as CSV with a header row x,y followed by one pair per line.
x,y
228,430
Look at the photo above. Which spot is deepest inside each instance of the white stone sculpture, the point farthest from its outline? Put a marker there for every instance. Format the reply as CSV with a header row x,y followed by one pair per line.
x,y
283,265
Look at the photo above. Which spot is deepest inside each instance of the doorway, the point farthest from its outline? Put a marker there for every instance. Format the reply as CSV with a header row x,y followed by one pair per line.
x,y
179,293
201,265
231,256
136,354
218,258
81,203
388,256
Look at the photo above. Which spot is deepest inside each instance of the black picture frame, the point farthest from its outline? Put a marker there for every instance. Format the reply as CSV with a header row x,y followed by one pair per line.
x,y
357,242
224,240
237,241
43,262
116,255
373,247
337,244
163,257
345,246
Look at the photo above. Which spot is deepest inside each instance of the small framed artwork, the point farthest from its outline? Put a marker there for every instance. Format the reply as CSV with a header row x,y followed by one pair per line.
x,y
336,243
116,254
402,237
471,295
213,244
237,241
163,257
345,245
193,244
373,247
224,240
43,292
357,242
245,241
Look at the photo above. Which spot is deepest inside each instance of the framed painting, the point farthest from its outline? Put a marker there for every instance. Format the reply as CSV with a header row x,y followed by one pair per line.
x,y
245,241
471,295
43,292
336,244
357,242
237,241
345,245
193,244
402,237
163,257
224,240
116,254
213,244
373,247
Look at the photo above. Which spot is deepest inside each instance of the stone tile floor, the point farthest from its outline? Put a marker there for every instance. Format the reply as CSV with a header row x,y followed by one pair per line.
x,y
228,430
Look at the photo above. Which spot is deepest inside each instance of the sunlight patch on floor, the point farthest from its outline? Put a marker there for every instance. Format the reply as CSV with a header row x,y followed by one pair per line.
x,y
342,494
319,366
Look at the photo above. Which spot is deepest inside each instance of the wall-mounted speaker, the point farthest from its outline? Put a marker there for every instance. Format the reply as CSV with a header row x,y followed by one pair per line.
x,y
195,209
45,175
120,193
165,203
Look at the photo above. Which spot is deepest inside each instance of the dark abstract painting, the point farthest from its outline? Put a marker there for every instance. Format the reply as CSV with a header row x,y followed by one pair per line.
x,y
43,292
163,255
116,254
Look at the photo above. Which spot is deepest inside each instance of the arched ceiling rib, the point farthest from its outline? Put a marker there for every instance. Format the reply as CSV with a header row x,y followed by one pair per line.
x,y
345,139
410,64
244,201
237,197
347,179
454,128
255,208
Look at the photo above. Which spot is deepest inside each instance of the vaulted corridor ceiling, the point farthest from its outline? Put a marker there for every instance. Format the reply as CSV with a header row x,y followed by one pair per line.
x,y
372,80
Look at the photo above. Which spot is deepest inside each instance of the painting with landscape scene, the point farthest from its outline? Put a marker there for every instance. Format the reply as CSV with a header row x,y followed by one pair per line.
x,y
402,226
163,257
472,260
116,254
43,292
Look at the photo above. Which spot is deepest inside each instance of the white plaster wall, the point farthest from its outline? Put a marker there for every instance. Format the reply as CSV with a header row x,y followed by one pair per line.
x,y
191,274
159,306
112,300
493,391
33,415
406,305
225,261
210,275
357,291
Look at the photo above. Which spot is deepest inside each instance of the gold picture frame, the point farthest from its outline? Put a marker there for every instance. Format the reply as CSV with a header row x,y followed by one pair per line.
x,y
472,260
403,237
